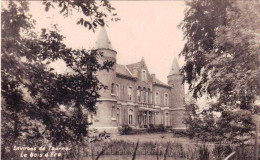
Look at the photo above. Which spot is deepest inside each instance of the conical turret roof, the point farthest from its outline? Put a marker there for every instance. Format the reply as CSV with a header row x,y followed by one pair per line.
x,y
175,69
103,41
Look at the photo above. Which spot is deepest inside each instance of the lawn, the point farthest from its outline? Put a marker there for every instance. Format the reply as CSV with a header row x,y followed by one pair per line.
x,y
146,137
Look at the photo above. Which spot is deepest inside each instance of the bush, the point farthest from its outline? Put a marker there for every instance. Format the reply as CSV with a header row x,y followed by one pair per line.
x,y
203,153
153,129
125,130
180,133
161,128
221,151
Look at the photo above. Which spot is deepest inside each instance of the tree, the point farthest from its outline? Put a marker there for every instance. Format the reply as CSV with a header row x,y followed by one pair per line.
x,y
39,105
223,63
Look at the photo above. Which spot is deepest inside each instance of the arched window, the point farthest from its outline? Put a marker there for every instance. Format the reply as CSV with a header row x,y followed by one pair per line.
x,y
166,99
139,94
117,90
112,88
149,96
167,122
157,98
129,93
144,75
130,116
118,115
144,94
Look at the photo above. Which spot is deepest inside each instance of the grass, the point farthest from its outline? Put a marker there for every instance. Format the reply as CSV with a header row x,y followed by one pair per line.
x,y
162,146
154,137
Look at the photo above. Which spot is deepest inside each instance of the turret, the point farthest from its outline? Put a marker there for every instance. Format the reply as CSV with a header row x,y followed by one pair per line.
x,y
103,46
177,96
175,80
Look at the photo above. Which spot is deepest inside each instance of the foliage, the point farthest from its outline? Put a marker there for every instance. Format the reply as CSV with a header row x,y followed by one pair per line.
x,y
161,128
203,152
223,65
94,14
156,128
38,104
221,151
125,130
180,133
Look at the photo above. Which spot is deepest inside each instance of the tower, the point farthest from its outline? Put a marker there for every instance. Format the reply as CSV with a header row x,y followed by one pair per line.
x,y
177,95
107,101
104,47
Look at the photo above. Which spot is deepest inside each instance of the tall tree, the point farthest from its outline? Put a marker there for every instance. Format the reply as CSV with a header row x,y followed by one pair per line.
x,y
38,104
223,63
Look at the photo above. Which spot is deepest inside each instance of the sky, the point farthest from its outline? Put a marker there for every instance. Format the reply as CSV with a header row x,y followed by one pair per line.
x,y
147,29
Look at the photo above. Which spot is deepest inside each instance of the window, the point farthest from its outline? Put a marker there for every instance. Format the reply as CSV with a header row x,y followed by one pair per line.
x,y
117,90
144,94
149,95
167,123
166,99
118,115
157,118
139,94
157,99
130,116
150,118
112,88
129,93
147,99
144,77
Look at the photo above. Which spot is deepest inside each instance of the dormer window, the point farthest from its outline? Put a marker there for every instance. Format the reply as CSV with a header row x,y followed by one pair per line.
x,y
144,75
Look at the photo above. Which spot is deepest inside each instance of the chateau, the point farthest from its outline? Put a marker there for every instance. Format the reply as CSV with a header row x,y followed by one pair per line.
x,y
134,96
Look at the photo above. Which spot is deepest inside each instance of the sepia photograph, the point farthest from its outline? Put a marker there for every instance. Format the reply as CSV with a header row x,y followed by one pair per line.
x,y
130,79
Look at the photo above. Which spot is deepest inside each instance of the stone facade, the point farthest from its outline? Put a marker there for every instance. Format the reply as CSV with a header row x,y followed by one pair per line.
x,y
134,96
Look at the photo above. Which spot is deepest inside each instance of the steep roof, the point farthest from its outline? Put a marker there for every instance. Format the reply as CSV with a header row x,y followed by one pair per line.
x,y
133,65
123,70
137,65
157,81
175,69
103,41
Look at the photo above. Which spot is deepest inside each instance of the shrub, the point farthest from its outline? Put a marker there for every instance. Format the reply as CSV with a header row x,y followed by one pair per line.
x,y
161,128
180,133
151,129
203,153
125,130
221,151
